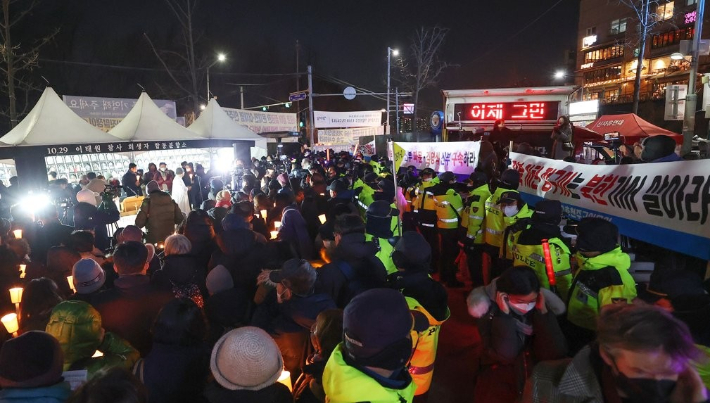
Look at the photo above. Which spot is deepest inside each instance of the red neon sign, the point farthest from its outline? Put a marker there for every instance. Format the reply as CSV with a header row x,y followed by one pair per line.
x,y
526,111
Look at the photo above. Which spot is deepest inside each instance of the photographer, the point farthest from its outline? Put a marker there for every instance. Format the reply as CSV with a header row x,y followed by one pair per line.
x,y
88,217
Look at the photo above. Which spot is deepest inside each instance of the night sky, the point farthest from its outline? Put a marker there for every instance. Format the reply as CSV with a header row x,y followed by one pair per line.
x,y
342,39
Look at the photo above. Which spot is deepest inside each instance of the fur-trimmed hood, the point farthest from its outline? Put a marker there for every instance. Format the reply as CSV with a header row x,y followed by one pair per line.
x,y
480,299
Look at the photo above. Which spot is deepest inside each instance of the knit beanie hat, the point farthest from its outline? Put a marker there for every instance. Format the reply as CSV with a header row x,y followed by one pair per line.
x,y
246,358
31,360
152,186
86,196
219,279
88,276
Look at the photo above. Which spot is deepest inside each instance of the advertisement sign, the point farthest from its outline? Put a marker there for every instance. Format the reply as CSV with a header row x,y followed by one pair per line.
x,y
339,120
654,202
262,122
106,113
508,111
459,157
675,102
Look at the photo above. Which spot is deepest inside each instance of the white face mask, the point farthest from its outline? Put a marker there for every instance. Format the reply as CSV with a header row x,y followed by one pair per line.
x,y
510,211
426,180
162,169
523,308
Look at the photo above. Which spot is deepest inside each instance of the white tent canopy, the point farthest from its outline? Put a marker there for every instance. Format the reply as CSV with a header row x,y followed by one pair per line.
x,y
214,123
51,122
146,122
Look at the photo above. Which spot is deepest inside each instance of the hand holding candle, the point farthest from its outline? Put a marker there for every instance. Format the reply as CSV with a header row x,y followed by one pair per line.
x,y
322,218
23,267
263,214
274,234
17,233
70,280
277,225
10,323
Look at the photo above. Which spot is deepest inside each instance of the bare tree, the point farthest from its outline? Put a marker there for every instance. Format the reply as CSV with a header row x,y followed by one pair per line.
x,y
17,60
187,76
647,21
424,65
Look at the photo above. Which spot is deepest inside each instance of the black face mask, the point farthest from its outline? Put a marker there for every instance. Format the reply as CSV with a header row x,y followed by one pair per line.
x,y
644,390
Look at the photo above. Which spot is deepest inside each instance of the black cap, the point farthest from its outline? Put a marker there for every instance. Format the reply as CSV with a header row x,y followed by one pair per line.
x,y
415,251
447,177
371,178
509,197
510,178
673,283
478,176
427,171
381,209
596,235
548,211
296,274
338,186
387,186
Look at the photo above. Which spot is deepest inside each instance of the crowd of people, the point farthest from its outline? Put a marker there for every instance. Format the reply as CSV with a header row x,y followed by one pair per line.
x,y
325,277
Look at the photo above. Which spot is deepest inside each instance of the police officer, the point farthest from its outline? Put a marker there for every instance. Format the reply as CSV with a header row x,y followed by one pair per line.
x,y
495,222
544,225
449,208
380,227
472,224
425,210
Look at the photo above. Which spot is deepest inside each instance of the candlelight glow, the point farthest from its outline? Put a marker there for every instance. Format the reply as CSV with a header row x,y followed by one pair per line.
x,y
70,280
277,224
10,323
322,218
17,233
23,267
16,295
285,379
274,234
263,214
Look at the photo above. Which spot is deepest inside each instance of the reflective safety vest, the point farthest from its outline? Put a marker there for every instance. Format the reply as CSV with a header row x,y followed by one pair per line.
x,y
365,198
425,205
421,366
496,222
449,208
410,196
384,253
345,384
600,281
534,257
474,214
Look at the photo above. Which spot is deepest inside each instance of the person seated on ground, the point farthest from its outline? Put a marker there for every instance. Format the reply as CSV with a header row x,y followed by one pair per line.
x,y
289,308
228,307
113,385
163,212
199,230
602,278
528,249
326,333
77,326
518,327
83,242
31,369
294,230
39,297
131,306
88,278
60,262
681,292
412,258
660,148
641,354
181,273
245,211
355,267
370,363
176,368
246,364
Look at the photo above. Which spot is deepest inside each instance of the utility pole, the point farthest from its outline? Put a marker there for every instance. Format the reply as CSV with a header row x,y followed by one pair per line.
x,y
691,99
241,96
311,123
396,108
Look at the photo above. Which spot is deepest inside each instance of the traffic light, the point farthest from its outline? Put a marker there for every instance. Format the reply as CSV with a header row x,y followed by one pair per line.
x,y
264,108
287,104
302,119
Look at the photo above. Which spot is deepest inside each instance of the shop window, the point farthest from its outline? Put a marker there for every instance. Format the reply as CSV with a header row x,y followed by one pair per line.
x,y
671,37
618,26
591,31
664,11
607,74
610,52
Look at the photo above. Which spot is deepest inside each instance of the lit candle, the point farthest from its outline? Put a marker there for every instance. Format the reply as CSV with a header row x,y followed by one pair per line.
x,y
70,280
285,379
274,234
97,354
16,295
23,267
160,245
277,224
10,323
17,233
263,214
322,218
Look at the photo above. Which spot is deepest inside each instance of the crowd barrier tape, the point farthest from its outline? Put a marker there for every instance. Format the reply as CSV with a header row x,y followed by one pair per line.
x,y
665,204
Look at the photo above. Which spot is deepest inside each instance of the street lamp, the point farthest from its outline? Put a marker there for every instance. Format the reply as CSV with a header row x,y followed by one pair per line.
x,y
390,52
220,58
560,74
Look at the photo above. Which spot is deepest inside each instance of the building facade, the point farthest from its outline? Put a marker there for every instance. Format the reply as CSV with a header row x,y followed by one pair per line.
x,y
608,46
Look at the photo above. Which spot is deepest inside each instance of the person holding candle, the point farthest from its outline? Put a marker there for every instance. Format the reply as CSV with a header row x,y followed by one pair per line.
x,y
293,231
39,297
88,279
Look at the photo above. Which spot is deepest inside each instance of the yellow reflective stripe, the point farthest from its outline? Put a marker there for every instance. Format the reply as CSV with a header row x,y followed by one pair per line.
x,y
427,225
448,219
475,217
492,231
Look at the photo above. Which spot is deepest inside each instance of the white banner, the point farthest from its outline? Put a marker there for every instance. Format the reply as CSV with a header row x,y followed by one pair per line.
x,y
665,204
335,147
342,136
338,120
262,122
106,113
459,157
367,150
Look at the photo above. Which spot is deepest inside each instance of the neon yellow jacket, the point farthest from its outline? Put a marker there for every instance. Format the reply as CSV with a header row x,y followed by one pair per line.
x,y
385,252
345,384
474,214
449,208
494,220
534,257
425,205
600,280
421,366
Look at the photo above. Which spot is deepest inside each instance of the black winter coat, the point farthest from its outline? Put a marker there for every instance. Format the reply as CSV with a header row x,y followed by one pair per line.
x,y
276,393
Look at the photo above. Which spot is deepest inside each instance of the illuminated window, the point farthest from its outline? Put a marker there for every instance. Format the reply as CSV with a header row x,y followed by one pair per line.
x,y
671,37
609,73
691,2
610,52
591,31
664,11
618,26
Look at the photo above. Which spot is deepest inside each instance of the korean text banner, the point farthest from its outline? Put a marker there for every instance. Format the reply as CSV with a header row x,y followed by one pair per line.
x,y
106,113
339,120
342,136
665,204
458,157
262,122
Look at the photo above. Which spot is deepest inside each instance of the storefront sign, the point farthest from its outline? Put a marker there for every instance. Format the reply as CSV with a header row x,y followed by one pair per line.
x,y
106,113
519,111
262,122
339,120
458,157
584,107
654,202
